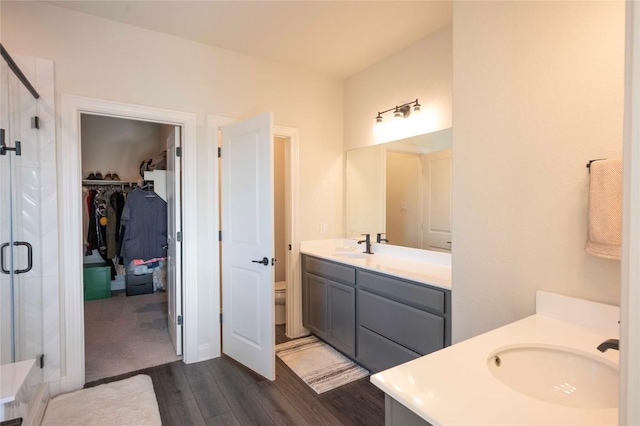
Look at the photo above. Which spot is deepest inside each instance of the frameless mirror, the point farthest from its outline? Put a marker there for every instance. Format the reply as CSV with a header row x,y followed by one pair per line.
x,y
403,190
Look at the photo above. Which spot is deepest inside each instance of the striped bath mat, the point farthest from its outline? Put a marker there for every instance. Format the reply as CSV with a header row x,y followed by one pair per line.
x,y
318,364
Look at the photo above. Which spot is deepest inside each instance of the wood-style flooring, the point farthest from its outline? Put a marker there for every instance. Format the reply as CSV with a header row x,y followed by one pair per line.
x,y
222,392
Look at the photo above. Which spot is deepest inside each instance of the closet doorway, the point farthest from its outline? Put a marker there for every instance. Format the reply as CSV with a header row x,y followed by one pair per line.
x,y
69,163
132,258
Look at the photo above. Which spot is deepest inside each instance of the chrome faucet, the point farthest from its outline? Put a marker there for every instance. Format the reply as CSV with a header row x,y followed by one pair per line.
x,y
367,241
609,344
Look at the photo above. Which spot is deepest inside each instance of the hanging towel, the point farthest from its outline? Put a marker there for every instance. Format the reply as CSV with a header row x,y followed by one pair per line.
x,y
605,209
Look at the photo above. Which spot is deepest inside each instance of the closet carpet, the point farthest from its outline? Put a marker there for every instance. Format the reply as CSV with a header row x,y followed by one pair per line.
x,y
124,334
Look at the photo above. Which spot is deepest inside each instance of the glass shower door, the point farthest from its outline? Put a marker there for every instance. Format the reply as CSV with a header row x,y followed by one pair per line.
x,y
21,307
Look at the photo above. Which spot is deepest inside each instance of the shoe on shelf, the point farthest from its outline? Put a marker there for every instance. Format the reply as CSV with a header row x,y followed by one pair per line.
x,y
115,176
91,176
98,176
108,176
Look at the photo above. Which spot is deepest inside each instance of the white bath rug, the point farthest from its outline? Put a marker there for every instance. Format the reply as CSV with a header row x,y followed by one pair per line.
x,y
125,402
318,364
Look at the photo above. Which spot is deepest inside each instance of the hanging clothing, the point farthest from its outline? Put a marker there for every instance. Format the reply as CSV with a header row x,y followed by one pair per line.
x,y
92,237
85,218
144,219
100,213
118,205
119,202
111,230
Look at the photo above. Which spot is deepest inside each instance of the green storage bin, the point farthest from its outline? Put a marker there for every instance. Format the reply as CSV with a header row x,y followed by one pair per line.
x,y
97,283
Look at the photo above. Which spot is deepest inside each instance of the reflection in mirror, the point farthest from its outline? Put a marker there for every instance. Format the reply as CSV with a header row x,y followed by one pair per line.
x,y
402,189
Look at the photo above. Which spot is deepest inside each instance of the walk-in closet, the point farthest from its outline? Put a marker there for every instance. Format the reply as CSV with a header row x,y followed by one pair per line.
x,y
126,269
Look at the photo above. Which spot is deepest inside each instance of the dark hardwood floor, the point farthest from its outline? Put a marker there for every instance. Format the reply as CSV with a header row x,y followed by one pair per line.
x,y
222,392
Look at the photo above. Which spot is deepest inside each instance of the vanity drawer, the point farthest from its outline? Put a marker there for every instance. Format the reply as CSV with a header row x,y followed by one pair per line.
x,y
403,291
417,330
330,270
378,353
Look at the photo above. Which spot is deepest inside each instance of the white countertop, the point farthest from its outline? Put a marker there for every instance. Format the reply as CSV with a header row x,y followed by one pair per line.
x,y
424,266
12,377
454,385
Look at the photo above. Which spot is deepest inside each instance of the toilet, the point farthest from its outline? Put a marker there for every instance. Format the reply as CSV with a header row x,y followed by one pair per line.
x,y
281,298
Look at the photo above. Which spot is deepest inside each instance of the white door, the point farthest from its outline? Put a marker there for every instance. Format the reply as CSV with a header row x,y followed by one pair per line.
x,y
437,175
248,326
174,246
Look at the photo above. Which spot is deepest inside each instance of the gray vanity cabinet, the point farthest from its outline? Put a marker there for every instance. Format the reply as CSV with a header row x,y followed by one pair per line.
x,y
328,302
341,307
315,308
399,320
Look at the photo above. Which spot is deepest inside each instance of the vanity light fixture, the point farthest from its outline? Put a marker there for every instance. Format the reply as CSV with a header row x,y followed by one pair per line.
x,y
400,111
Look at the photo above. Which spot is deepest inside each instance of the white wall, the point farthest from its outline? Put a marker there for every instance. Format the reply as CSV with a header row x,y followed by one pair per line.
x,y
111,144
102,59
423,70
538,93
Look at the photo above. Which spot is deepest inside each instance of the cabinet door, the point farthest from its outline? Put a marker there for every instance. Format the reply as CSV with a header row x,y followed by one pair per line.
x,y
342,317
316,305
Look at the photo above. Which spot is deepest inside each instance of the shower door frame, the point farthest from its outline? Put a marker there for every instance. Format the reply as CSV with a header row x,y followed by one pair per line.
x,y
40,73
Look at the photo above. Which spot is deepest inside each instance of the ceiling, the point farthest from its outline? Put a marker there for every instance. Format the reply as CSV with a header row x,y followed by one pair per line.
x,y
338,38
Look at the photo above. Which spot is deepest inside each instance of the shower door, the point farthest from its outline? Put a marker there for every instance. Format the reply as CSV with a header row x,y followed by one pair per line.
x,y
21,307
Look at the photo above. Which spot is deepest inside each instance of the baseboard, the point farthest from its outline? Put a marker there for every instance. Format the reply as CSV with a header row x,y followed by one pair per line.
x,y
204,353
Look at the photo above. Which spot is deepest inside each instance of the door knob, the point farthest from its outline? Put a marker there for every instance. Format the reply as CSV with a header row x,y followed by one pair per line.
x,y
264,261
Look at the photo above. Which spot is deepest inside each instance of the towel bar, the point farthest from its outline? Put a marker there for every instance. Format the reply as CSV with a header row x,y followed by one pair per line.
x,y
591,161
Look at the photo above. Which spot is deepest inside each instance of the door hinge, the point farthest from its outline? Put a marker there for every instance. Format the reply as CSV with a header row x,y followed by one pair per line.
x,y
178,151
219,152
40,359
179,236
179,319
219,235
35,122
220,317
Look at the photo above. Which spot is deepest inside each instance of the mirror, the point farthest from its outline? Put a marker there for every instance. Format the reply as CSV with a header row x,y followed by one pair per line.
x,y
403,190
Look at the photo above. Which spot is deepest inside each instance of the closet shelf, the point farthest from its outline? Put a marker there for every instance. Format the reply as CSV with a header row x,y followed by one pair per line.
x,y
108,182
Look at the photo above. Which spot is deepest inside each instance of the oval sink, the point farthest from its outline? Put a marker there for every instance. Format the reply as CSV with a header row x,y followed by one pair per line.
x,y
557,375
351,254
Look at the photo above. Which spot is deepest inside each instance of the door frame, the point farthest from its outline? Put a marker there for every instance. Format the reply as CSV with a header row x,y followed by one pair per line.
x,y
629,388
70,178
293,326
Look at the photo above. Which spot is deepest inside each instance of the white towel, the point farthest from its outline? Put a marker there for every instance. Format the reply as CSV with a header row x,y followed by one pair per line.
x,y
605,209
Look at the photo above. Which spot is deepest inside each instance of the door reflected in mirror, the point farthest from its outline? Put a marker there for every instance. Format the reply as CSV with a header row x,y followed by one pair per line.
x,y
403,190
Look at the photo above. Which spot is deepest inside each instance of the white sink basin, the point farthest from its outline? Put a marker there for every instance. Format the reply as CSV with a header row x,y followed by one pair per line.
x,y
351,254
557,375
